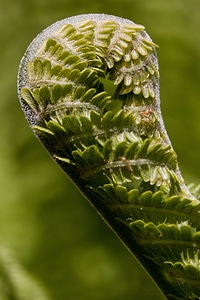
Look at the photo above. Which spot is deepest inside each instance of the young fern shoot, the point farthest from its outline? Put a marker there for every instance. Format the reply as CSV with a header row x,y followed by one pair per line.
x,y
119,155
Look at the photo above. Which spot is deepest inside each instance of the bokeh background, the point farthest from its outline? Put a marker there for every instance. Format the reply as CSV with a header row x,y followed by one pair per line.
x,y
53,233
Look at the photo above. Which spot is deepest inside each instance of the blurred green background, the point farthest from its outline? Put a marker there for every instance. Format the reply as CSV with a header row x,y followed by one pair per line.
x,y
49,226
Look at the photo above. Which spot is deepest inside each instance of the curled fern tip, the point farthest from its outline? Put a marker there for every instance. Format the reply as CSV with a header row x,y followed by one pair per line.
x,y
89,88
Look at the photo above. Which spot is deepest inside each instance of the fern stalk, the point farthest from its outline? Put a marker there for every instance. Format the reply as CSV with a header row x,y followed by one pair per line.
x,y
119,155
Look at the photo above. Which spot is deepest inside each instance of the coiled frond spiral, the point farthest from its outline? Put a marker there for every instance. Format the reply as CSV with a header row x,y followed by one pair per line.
x,y
115,146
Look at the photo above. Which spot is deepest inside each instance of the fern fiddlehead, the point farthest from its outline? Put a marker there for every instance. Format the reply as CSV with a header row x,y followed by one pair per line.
x,y
115,147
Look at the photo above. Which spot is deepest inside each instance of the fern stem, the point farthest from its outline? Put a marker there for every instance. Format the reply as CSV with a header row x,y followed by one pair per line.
x,y
119,155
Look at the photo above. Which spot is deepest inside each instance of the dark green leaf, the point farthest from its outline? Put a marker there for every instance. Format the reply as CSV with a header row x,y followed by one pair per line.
x,y
87,125
120,150
45,96
107,149
71,125
56,128
131,150
133,196
122,194
56,93
143,148
95,118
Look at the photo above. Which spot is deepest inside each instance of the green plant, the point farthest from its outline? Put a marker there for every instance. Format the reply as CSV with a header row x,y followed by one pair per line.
x,y
115,147
15,282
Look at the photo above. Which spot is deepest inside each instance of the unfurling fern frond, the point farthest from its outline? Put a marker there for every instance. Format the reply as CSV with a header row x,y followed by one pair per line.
x,y
119,155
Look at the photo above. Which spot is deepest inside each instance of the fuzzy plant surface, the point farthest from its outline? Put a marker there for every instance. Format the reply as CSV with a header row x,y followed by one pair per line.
x,y
113,145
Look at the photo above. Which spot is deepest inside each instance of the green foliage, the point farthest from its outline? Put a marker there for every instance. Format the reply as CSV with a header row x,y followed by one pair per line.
x,y
123,162
15,282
